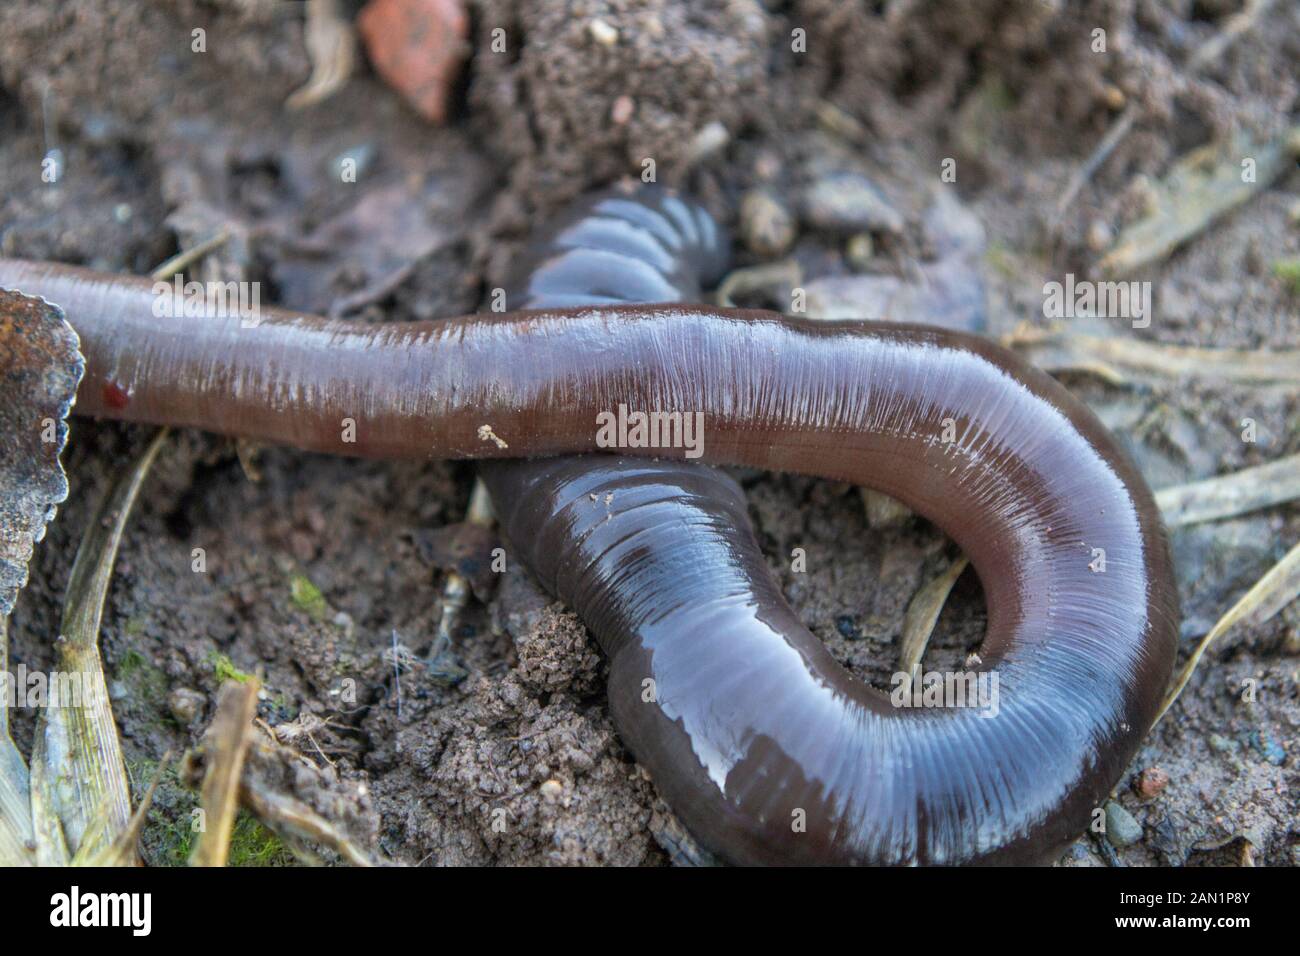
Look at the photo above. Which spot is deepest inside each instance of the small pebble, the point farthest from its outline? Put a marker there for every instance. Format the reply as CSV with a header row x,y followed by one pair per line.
x,y
1150,783
1115,98
602,32
622,110
859,251
1141,192
768,166
848,202
303,545
1253,259
1121,827
1100,236
708,140
315,519
884,511
1268,747
848,630
1222,745
765,224
552,789
186,704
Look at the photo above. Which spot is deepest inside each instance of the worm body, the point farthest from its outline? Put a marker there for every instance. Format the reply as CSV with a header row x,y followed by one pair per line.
x,y
766,748
753,725
620,246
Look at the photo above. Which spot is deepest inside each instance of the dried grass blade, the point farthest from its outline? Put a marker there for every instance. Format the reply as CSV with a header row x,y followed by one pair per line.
x,y
922,613
1226,496
81,753
1274,591
229,738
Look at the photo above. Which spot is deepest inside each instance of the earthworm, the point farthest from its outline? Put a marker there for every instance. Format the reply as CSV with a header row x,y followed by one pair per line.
x,y
767,749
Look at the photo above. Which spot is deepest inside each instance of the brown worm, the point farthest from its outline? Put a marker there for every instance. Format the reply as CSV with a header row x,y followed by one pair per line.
x,y
766,748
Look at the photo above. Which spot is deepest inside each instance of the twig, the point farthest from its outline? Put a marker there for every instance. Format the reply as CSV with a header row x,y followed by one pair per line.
x,y
1228,495
1274,591
456,590
282,813
231,735
1119,128
187,257
1237,24
332,49
768,275
1202,186
922,614
1055,350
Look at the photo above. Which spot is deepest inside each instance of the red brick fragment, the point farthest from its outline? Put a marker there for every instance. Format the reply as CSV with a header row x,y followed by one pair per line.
x,y
418,47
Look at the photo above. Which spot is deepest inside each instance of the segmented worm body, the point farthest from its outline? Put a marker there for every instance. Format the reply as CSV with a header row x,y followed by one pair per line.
x,y
766,748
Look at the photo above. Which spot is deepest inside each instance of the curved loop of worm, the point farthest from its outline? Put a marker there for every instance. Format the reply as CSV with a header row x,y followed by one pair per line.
x,y
604,533
629,244
765,747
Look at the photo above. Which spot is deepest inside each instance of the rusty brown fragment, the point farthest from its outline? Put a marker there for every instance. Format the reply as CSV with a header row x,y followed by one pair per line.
x,y
40,369
418,47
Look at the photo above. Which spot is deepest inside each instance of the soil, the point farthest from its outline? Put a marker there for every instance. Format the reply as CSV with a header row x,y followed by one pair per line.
x,y
504,753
